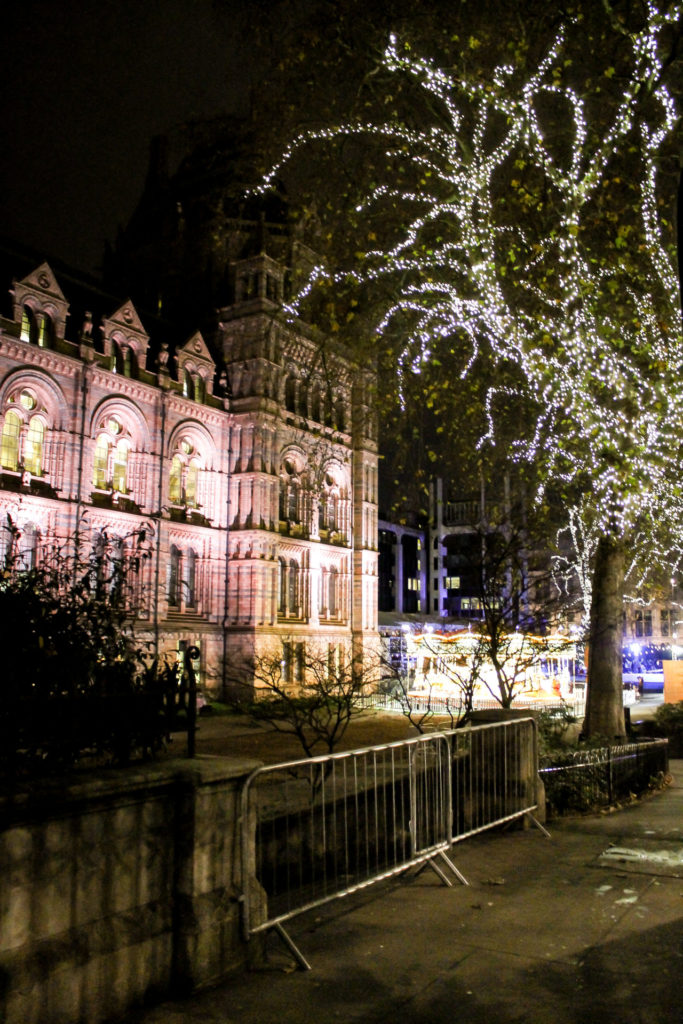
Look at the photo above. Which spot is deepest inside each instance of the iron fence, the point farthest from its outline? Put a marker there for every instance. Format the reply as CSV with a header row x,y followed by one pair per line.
x,y
320,828
604,777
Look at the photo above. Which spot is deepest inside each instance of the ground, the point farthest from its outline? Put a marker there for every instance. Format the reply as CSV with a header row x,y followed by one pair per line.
x,y
232,735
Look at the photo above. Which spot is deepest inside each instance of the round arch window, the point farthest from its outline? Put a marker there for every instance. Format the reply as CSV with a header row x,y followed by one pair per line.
x,y
27,400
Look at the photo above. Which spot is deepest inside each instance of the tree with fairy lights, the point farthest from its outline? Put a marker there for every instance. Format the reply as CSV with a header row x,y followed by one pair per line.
x,y
520,218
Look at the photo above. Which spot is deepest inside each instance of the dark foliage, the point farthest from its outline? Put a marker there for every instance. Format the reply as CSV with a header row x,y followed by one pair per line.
x,y
591,779
668,722
77,684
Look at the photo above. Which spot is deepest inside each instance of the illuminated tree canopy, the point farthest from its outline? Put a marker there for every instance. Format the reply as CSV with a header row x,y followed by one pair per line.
x,y
533,230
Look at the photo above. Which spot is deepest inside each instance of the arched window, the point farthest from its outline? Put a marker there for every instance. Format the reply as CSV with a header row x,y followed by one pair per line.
x,y
188,385
291,505
282,586
27,322
327,511
110,464
198,387
98,560
175,481
7,545
315,402
293,587
45,330
289,500
120,467
28,548
191,483
183,481
118,359
283,499
124,360
23,438
340,413
190,561
100,477
9,443
303,401
290,393
33,449
36,327
115,553
328,503
174,575
292,502
332,579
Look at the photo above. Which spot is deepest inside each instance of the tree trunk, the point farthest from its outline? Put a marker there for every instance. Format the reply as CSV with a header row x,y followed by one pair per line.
x,y
605,703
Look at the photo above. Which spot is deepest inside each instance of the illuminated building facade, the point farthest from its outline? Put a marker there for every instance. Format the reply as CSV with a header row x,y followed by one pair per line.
x,y
253,474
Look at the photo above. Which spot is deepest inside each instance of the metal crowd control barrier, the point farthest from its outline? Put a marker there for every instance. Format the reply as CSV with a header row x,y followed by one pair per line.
x,y
495,776
320,828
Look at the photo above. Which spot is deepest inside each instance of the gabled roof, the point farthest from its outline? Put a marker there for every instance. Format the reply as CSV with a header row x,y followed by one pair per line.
x,y
125,324
196,349
40,290
43,281
126,319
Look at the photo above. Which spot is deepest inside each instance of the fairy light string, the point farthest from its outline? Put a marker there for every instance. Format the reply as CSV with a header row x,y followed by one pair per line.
x,y
598,343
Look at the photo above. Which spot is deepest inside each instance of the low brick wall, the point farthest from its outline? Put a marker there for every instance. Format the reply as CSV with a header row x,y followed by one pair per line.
x,y
117,889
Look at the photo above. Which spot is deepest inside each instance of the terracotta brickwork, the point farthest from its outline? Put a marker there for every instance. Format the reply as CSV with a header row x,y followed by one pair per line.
x,y
252,470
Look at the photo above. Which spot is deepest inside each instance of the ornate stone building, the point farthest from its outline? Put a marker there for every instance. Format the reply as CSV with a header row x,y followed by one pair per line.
x,y
257,494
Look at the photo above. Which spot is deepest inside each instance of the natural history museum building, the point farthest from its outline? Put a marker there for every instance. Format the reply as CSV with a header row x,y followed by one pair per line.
x,y
250,463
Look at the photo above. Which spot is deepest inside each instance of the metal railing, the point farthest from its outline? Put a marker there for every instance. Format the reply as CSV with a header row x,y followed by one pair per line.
x,y
591,779
495,775
321,828
439,705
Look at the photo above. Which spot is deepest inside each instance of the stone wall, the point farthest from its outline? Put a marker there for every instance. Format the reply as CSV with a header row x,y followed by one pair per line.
x,y
117,889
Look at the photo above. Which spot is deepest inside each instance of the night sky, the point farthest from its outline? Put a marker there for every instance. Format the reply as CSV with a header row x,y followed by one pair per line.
x,y
86,86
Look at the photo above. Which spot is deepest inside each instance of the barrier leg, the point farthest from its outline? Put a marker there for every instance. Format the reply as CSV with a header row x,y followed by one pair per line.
x,y
538,825
438,870
458,874
292,947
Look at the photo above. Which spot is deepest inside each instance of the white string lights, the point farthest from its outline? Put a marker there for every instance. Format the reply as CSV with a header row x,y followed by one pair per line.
x,y
587,309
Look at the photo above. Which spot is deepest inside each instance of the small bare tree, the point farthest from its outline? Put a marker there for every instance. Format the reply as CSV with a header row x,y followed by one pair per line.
x,y
421,706
311,691
516,598
513,595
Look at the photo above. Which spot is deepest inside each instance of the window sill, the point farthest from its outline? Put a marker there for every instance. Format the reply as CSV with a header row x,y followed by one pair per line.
x,y
114,500
18,480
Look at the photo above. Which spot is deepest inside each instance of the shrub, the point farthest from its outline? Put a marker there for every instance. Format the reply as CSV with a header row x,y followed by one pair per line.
x,y
555,730
76,681
318,708
668,721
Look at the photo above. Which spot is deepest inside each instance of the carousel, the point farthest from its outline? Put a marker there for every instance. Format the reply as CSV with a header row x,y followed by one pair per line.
x,y
537,670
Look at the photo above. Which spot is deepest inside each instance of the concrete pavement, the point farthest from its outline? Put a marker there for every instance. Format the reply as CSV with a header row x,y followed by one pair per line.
x,y
581,928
